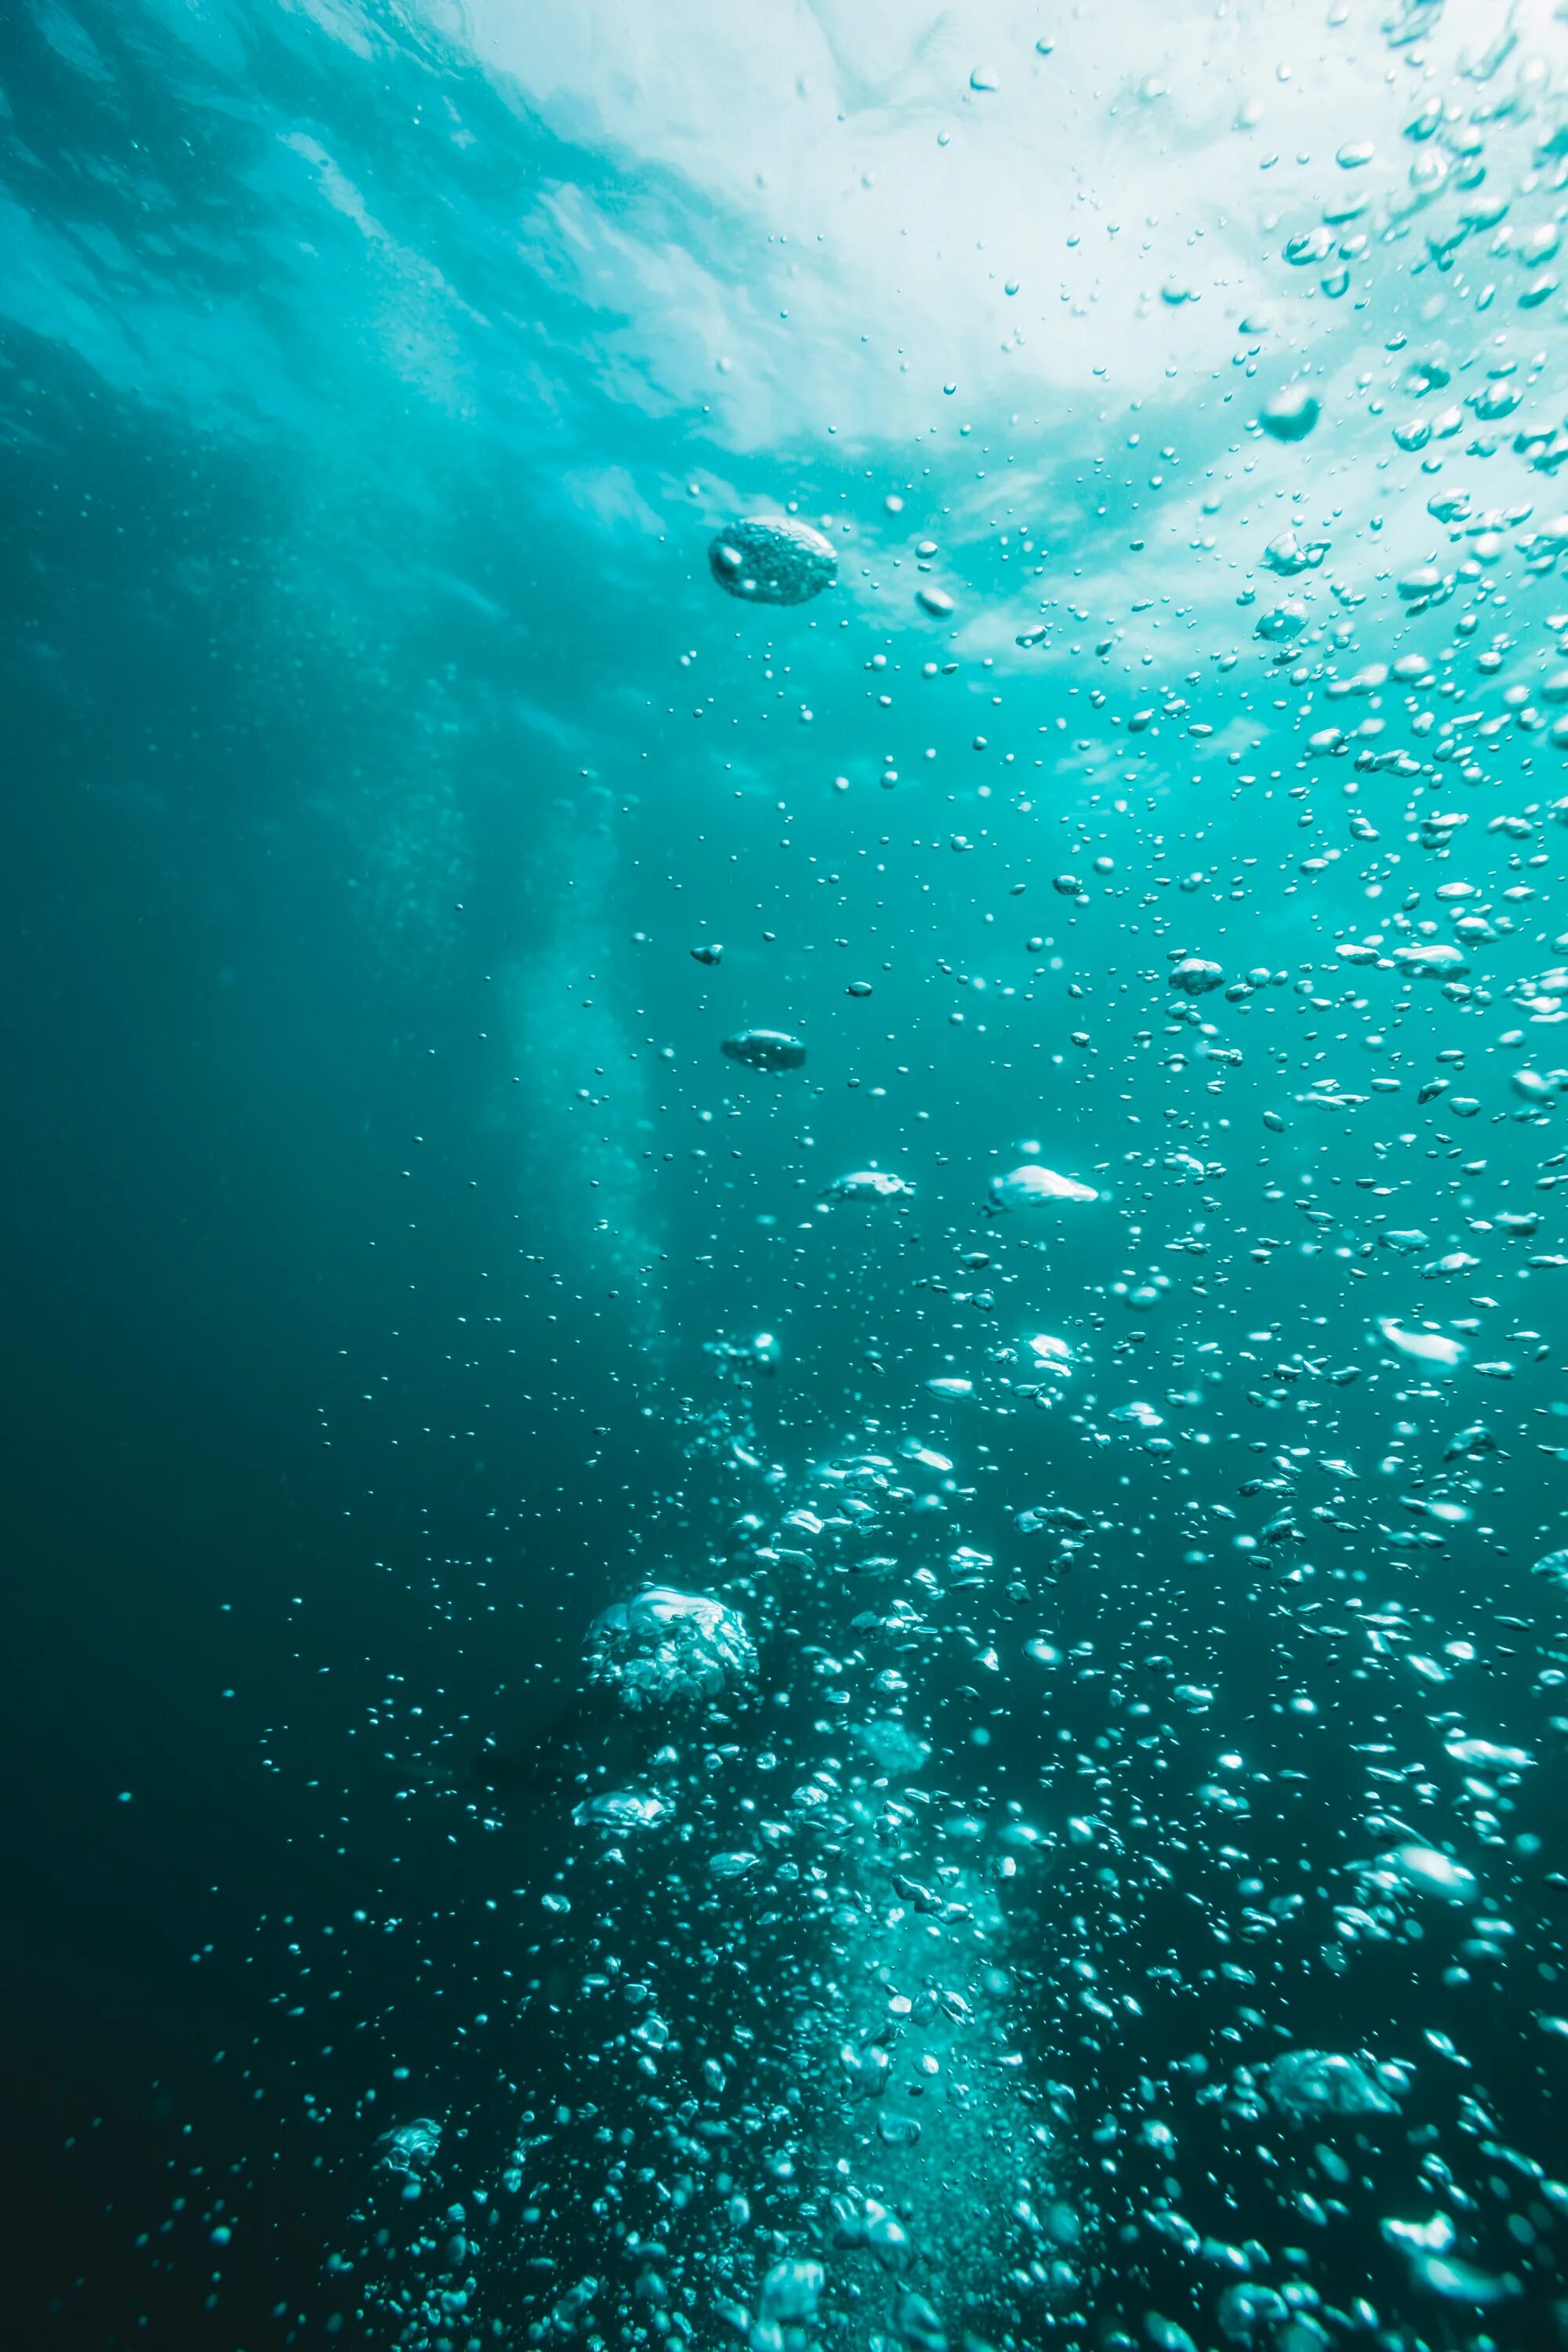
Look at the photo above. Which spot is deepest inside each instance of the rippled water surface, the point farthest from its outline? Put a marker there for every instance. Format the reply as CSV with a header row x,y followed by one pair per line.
x,y
786,996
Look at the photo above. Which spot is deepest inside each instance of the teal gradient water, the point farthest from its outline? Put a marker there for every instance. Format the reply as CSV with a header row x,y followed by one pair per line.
x,y
403,1275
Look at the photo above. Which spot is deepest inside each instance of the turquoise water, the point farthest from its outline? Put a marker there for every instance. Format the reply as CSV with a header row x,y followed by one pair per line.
x,y
786,789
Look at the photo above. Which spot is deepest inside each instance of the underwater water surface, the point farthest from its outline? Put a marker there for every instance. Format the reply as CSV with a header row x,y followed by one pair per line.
x,y
785,982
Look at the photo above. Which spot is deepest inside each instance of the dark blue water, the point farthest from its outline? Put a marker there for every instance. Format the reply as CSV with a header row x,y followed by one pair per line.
x,y
1099,1881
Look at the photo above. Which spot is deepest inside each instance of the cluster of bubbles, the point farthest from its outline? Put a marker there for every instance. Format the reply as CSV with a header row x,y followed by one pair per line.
x,y
831,2002
662,1647
949,1960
